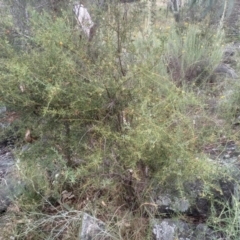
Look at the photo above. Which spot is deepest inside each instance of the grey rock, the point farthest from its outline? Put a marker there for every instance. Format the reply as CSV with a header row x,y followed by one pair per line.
x,y
199,206
164,231
9,190
231,49
93,229
2,112
164,200
203,232
6,160
202,207
181,205
169,229
4,201
196,203
10,186
226,70
167,204
226,156
3,109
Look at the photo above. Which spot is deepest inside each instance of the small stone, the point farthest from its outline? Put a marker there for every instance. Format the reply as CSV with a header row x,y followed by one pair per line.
x,y
3,110
92,228
226,156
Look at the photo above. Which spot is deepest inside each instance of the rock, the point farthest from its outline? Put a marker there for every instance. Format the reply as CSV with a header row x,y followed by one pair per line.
x,y
10,190
225,69
10,186
222,191
230,53
198,203
181,205
164,230
169,229
229,60
164,201
6,167
4,201
202,207
231,49
172,202
168,204
93,228
203,232
3,110
192,204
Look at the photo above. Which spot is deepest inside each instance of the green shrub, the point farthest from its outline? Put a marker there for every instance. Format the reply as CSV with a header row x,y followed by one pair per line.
x,y
107,115
229,103
192,55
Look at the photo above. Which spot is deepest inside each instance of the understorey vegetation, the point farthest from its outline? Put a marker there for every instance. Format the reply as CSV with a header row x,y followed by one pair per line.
x,y
96,125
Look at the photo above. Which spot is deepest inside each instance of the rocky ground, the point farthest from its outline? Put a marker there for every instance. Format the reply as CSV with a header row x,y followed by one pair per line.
x,y
194,210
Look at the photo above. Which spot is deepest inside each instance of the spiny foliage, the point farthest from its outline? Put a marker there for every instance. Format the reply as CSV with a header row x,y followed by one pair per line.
x,y
106,114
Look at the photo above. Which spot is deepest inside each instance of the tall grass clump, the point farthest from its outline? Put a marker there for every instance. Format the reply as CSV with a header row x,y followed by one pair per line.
x,y
192,54
227,221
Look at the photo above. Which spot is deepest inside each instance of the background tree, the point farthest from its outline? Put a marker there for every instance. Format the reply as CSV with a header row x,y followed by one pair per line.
x,y
216,12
